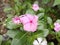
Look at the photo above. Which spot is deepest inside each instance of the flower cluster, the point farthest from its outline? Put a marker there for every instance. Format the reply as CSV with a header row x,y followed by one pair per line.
x,y
29,22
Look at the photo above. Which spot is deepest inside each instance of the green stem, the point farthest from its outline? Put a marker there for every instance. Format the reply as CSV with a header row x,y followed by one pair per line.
x,y
24,35
45,17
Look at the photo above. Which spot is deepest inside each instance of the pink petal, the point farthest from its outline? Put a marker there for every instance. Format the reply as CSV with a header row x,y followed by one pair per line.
x,y
29,22
35,18
29,16
56,24
30,27
57,29
24,19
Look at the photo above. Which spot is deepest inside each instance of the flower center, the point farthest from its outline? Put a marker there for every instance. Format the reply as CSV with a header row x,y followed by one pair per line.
x,y
30,21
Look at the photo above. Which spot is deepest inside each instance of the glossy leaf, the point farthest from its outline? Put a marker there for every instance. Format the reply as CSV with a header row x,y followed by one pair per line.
x,y
19,39
12,33
56,2
11,25
29,11
49,20
40,15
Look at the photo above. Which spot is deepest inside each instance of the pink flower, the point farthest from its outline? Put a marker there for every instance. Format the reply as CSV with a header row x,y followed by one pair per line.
x,y
29,22
16,20
57,27
35,7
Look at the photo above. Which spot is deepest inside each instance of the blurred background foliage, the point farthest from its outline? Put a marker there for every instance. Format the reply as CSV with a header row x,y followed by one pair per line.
x,y
19,7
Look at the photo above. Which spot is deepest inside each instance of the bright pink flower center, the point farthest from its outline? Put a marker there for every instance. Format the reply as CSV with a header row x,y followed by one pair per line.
x,y
31,21
17,19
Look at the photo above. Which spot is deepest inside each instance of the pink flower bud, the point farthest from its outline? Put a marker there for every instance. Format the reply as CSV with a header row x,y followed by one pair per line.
x,y
16,20
56,27
35,7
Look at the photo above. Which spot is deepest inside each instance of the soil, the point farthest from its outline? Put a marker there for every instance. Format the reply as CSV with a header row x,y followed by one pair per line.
x,y
2,18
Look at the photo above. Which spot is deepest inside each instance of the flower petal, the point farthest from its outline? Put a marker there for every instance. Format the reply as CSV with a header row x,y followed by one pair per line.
x,y
30,27
35,42
44,42
39,39
24,19
35,7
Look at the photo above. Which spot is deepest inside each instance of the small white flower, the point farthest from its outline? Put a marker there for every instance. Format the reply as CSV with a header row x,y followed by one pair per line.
x,y
40,41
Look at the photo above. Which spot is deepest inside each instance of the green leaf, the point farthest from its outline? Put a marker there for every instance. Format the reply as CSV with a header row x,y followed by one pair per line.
x,y
41,25
29,11
7,9
58,21
41,10
58,36
49,20
40,15
12,33
45,1
33,36
17,7
41,33
19,39
51,43
17,10
30,40
15,42
36,2
56,2
8,42
7,20
9,15
16,0
11,25
45,32
0,39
